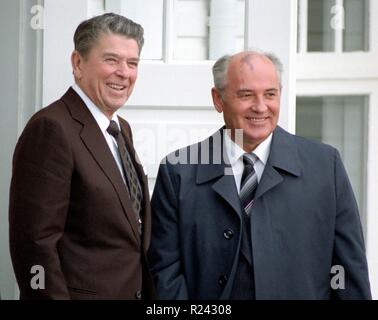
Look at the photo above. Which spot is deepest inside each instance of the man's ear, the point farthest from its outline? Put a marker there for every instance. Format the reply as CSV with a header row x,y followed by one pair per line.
x,y
76,61
217,99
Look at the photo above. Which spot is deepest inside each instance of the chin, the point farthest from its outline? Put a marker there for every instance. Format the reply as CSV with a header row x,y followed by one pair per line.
x,y
260,137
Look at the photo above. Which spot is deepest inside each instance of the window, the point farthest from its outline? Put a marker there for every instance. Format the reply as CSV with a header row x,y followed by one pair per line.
x,y
333,25
356,31
186,29
340,121
149,13
207,29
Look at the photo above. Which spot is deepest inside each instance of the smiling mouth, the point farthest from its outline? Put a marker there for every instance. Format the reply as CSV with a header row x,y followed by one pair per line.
x,y
115,86
256,119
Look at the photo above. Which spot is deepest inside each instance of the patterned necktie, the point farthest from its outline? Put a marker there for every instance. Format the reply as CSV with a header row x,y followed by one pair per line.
x,y
248,182
132,181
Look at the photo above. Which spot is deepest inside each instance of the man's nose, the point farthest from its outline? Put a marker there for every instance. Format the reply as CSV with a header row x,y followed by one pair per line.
x,y
259,104
123,70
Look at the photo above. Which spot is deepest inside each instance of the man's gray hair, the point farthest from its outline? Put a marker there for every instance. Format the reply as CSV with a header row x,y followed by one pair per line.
x,y
221,65
89,31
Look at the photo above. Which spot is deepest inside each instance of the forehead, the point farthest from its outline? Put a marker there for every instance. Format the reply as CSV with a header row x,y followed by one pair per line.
x,y
252,70
118,42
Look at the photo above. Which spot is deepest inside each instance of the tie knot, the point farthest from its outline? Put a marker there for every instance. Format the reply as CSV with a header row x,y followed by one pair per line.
x,y
249,159
113,129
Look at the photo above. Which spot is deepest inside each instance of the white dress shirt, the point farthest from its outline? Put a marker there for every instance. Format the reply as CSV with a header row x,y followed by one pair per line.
x,y
235,157
103,122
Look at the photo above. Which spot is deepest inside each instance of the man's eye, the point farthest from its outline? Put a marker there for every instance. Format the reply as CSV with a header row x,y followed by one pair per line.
x,y
245,95
111,60
133,64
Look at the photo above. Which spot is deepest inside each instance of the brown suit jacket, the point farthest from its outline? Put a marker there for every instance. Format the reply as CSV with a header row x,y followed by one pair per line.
x,y
70,211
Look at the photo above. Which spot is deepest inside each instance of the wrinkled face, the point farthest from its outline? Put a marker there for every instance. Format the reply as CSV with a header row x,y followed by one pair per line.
x,y
251,99
108,73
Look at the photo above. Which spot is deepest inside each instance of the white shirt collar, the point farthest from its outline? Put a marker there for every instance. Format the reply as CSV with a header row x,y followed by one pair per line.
x,y
101,119
234,152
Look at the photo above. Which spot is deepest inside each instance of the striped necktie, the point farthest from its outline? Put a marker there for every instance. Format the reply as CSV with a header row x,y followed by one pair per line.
x,y
248,182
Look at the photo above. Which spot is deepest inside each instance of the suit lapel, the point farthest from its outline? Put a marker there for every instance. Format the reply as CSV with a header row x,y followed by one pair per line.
x,y
96,144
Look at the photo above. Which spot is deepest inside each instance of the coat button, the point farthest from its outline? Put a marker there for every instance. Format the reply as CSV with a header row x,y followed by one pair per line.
x,y
138,294
228,234
222,280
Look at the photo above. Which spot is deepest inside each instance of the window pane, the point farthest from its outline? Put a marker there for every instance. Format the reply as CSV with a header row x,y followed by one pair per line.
x,y
340,121
191,30
95,7
149,13
207,29
356,32
321,36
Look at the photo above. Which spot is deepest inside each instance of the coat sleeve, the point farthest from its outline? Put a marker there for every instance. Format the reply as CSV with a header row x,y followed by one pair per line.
x,y
38,206
164,252
349,248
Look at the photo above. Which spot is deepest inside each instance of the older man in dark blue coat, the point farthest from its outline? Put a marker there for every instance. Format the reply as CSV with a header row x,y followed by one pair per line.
x,y
262,215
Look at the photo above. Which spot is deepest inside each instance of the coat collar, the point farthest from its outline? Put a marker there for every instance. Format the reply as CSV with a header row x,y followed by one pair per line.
x,y
95,142
284,153
283,157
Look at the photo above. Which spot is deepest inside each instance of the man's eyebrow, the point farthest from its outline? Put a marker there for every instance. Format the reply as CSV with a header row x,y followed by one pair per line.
x,y
112,54
272,89
244,91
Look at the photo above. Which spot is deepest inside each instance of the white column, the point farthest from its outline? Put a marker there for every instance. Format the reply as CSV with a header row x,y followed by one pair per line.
x,y
372,199
20,91
303,28
339,16
222,35
272,26
168,31
372,168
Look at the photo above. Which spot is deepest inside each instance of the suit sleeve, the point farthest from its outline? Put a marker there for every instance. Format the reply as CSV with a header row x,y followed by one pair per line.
x,y
38,206
349,248
164,252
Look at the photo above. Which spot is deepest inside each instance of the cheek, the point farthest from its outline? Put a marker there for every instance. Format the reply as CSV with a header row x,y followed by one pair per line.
x,y
133,76
275,108
234,117
105,72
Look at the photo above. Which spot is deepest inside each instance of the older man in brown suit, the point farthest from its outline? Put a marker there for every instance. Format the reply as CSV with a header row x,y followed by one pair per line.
x,y
79,204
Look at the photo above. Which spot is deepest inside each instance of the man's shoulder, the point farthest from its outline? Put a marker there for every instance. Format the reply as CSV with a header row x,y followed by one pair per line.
x,y
54,117
51,111
305,144
55,110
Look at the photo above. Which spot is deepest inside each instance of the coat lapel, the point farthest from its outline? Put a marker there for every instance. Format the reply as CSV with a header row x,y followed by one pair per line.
x,y
283,157
216,168
95,142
